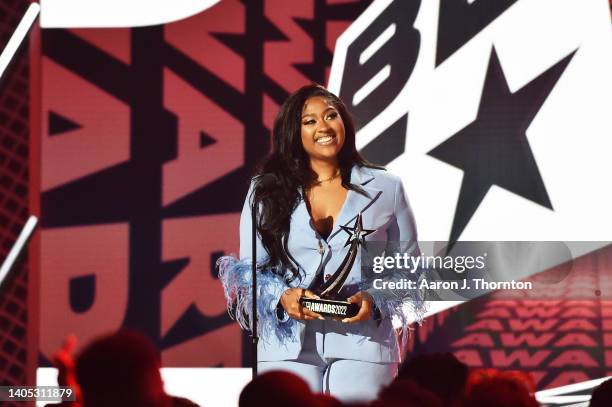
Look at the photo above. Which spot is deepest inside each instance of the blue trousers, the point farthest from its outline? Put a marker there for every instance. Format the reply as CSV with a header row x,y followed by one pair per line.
x,y
347,380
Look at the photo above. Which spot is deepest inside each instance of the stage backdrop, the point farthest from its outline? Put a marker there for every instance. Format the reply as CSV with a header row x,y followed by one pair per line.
x,y
14,133
495,114
148,138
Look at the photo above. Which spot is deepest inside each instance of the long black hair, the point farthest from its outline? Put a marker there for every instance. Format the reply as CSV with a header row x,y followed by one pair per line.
x,y
286,172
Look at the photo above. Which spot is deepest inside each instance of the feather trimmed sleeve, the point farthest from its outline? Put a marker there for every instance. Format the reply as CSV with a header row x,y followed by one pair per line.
x,y
236,276
237,279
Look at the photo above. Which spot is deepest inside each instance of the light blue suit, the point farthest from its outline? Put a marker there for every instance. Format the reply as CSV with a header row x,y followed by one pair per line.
x,y
386,209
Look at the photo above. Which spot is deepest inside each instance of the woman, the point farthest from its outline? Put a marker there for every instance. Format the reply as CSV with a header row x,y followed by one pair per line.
x,y
309,192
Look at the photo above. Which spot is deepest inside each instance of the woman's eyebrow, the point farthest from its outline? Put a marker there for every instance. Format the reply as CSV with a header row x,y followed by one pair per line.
x,y
324,111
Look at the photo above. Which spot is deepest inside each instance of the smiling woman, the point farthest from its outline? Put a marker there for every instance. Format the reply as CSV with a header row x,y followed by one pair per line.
x,y
322,130
323,137
311,191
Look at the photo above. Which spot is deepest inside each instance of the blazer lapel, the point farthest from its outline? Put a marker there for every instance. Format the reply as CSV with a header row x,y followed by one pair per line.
x,y
355,202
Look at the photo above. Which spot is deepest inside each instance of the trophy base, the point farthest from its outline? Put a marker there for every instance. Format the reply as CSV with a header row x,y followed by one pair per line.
x,y
331,308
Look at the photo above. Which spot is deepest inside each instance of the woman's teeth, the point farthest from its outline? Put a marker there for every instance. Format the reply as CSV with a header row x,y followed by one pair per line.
x,y
323,141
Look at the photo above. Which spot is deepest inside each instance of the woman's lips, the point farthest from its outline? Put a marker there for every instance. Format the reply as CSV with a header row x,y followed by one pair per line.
x,y
325,140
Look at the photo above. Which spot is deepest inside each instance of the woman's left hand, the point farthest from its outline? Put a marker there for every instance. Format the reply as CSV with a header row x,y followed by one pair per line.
x,y
365,301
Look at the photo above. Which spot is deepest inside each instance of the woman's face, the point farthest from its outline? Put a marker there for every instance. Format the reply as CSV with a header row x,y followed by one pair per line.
x,y
322,129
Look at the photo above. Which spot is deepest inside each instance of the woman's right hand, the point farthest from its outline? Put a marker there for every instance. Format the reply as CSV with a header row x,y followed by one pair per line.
x,y
290,300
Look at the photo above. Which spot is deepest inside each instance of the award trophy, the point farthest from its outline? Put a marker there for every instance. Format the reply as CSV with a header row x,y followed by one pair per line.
x,y
328,290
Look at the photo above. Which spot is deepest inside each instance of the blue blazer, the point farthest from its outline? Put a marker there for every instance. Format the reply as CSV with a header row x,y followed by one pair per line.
x,y
385,209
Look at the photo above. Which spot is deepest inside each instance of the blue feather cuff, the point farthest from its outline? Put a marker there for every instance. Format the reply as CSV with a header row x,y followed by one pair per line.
x,y
237,279
405,306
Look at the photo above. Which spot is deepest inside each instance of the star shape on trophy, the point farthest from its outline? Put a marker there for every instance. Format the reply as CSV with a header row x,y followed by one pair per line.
x,y
357,233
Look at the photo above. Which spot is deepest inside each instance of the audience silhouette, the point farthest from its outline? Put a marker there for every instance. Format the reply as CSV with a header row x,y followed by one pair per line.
x,y
120,370
602,395
123,369
440,373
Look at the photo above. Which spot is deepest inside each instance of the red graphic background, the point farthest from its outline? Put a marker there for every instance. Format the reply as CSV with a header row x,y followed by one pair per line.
x,y
137,157
148,139
560,333
14,180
